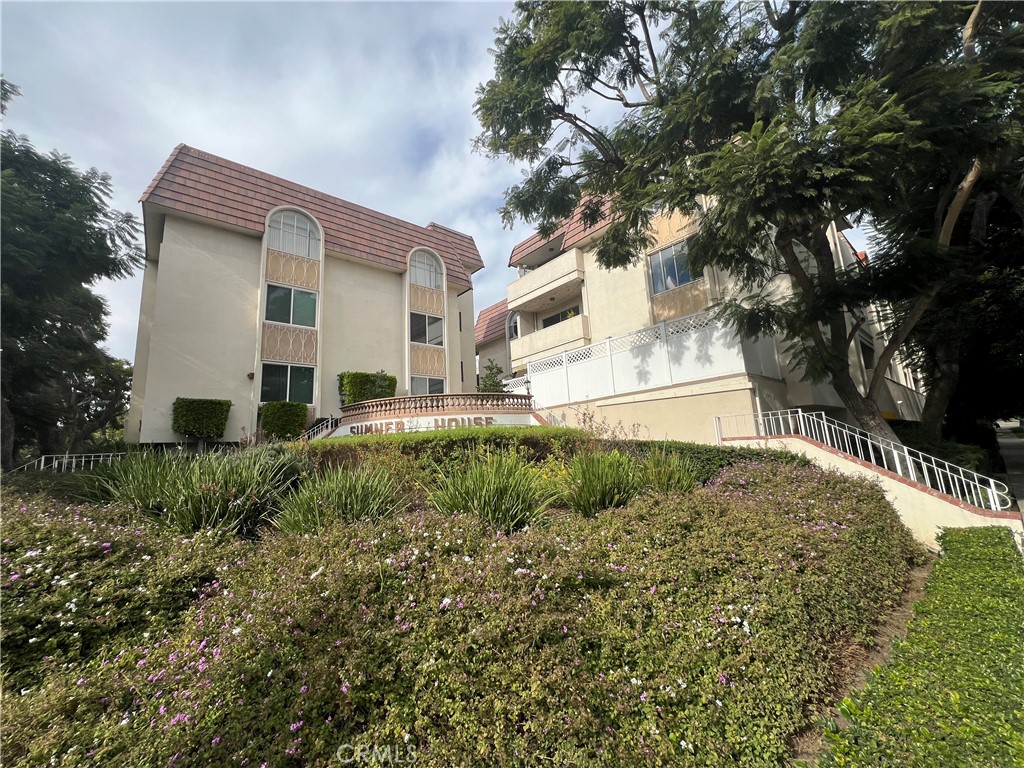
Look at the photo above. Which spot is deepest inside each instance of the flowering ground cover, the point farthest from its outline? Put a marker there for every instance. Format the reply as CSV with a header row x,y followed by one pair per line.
x,y
706,629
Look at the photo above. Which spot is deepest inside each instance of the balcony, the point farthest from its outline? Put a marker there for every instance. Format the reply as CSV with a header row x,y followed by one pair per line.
x,y
554,282
568,334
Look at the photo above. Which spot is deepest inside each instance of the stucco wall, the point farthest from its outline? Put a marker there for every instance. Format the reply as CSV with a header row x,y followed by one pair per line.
x,y
497,351
671,413
133,420
364,326
616,300
204,326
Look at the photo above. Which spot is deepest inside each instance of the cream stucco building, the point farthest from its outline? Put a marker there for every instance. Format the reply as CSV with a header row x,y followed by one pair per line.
x,y
639,346
259,289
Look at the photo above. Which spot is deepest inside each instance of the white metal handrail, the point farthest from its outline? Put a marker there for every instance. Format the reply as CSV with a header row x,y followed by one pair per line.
x,y
324,426
961,483
68,462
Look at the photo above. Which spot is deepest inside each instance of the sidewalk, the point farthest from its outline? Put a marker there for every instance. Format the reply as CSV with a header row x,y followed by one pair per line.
x,y
1012,448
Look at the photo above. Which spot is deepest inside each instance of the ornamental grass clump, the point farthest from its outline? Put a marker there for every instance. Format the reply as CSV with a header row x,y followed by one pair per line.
x,y
667,472
189,493
499,488
603,480
341,494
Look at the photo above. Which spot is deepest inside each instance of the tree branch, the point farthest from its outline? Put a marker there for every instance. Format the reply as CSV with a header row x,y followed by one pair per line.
x,y
970,43
959,200
650,51
897,339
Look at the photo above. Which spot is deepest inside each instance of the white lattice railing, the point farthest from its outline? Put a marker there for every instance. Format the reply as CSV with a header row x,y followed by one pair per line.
x,y
68,462
963,484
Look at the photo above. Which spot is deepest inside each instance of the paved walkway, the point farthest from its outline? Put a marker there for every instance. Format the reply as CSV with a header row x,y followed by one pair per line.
x,y
1012,448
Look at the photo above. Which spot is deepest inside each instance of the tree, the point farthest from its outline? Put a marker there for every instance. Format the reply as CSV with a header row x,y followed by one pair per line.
x,y
57,237
491,381
768,122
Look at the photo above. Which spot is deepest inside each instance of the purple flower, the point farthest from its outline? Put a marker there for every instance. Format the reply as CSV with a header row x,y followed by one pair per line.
x,y
344,687
296,726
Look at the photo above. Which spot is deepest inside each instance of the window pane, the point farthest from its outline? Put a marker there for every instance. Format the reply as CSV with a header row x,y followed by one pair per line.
x,y
279,302
424,270
301,389
682,270
418,328
294,233
436,386
419,386
657,275
304,309
274,386
435,331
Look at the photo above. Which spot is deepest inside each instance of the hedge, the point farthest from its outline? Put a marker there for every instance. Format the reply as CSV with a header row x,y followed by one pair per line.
x,y
281,419
448,448
359,386
953,692
200,418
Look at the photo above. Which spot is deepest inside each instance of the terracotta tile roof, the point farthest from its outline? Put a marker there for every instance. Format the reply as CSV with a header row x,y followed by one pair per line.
x,y
196,182
490,323
572,232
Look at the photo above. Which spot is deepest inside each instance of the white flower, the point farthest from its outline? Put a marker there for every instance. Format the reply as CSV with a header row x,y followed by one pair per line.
x,y
445,603
316,573
236,631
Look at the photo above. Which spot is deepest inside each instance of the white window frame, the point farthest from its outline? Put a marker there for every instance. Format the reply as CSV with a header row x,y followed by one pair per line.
x,y
428,379
291,305
425,270
656,261
291,231
429,317
288,380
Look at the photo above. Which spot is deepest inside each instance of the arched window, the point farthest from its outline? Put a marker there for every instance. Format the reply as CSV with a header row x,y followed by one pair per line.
x,y
513,325
425,269
292,232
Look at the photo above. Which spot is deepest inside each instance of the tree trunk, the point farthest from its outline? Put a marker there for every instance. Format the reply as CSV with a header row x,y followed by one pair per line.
x,y
947,375
864,410
7,455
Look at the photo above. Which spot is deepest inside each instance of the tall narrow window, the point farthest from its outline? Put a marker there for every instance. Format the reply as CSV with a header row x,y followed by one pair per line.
x,y
294,233
425,270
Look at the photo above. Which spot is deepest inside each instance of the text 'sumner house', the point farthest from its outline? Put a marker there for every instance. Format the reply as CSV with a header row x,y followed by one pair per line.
x,y
258,289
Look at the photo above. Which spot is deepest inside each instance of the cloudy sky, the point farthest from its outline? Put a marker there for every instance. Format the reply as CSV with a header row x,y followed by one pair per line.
x,y
371,102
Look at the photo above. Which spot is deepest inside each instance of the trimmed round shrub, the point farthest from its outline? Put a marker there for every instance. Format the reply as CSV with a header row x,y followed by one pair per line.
x,y
200,419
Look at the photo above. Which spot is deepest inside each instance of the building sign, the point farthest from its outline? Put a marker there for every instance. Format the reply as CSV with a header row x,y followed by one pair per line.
x,y
431,423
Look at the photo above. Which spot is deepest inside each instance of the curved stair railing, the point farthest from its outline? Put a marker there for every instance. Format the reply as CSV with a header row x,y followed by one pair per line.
x,y
963,484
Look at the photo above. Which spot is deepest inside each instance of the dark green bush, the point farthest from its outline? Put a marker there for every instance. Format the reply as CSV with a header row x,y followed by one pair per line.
x,y
199,418
283,419
700,630
706,461
359,386
953,692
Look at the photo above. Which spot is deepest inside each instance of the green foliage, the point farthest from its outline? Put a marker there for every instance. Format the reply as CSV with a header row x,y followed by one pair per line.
x,y
952,693
704,630
199,418
83,583
236,492
283,419
602,480
972,457
668,472
499,488
340,494
790,117
705,462
359,386
58,235
491,381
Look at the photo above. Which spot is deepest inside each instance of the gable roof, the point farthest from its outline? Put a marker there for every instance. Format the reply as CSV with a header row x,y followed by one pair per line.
x,y
568,234
490,324
198,183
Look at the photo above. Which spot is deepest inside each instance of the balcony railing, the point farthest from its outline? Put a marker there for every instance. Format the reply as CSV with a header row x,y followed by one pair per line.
x,y
558,278
432,405
572,332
